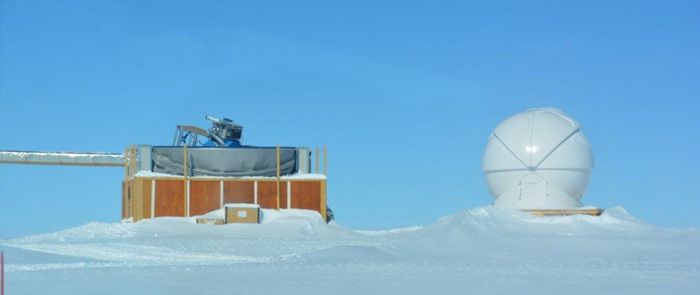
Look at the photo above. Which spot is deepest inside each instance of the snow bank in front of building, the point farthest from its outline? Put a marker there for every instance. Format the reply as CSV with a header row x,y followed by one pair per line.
x,y
294,233
269,215
484,250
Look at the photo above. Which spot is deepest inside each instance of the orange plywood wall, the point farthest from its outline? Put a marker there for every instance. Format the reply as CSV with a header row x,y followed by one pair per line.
x,y
169,198
267,194
239,192
306,195
144,194
205,196
141,199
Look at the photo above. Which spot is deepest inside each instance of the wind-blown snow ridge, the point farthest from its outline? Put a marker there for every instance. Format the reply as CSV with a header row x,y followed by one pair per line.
x,y
477,249
614,222
291,233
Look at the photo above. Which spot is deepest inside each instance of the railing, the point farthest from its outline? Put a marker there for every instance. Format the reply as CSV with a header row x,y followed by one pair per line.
x,y
131,168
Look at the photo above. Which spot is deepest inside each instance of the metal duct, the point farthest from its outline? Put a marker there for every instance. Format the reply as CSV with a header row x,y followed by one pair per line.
x,y
62,158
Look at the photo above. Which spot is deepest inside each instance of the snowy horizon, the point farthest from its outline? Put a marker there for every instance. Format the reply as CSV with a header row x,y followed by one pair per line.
x,y
482,250
404,95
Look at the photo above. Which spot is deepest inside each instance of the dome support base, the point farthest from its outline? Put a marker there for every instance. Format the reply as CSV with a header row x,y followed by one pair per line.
x,y
565,212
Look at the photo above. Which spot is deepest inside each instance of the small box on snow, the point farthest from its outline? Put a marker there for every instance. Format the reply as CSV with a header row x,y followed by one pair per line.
x,y
242,213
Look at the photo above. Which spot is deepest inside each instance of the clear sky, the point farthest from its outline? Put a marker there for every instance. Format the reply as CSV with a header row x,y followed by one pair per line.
x,y
403,93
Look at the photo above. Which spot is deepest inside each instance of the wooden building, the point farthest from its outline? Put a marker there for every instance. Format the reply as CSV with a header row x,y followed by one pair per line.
x,y
148,195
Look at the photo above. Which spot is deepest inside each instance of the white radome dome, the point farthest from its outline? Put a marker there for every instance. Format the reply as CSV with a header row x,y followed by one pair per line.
x,y
537,159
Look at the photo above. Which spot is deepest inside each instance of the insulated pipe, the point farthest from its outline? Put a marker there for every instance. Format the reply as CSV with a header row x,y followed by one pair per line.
x,y
62,158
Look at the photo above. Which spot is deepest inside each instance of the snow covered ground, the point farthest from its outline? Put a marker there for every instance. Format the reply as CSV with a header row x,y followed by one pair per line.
x,y
478,251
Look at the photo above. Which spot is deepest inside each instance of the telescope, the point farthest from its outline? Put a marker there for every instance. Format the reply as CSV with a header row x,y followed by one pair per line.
x,y
223,132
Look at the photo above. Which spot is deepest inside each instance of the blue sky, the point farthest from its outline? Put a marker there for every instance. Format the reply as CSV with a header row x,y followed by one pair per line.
x,y
403,93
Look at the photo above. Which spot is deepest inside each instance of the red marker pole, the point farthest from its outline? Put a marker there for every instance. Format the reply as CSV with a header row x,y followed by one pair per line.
x,y
2,273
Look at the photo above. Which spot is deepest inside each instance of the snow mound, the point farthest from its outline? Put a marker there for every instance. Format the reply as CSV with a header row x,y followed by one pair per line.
x,y
484,250
614,222
482,233
290,234
178,240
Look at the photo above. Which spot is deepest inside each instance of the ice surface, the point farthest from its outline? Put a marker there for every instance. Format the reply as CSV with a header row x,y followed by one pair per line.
x,y
480,251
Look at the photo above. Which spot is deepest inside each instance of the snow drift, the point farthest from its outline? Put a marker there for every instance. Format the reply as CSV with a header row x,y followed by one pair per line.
x,y
482,250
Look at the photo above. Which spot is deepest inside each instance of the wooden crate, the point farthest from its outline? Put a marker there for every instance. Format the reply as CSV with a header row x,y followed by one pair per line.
x,y
242,213
210,220
565,212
